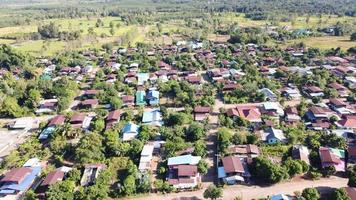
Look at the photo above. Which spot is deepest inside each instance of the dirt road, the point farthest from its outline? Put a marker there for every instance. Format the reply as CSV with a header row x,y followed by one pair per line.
x,y
255,192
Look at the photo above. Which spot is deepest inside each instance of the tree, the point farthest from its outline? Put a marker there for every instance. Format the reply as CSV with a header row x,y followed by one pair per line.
x,y
115,102
10,108
352,179
353,36
293,167
99,125
63,190
195,132
129,185
340,194
213,192
203,167
200,148
89,149
268,172
30,195
224,137
311,194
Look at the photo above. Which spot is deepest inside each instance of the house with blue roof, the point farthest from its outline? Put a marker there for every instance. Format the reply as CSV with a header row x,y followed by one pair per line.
x,y
153,97
19,180
142,78
280,197
130,131
140,98
46,132
153,117
184,160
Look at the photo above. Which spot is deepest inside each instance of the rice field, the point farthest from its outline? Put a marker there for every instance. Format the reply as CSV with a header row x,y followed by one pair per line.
x,y
325,42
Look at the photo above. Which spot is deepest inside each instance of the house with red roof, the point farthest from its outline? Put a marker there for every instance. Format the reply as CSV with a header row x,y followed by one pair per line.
x,y
201,113
341,90
247,112
51,178
313,91
331,157
89,103
128,100
232,170
347,122
112,118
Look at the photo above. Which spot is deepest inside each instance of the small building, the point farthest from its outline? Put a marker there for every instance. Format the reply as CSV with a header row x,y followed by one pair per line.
x,y
91,172
112,118
351,192
140,98
18,180
142,78
249,113
341,90
56,121
146,158
128,100
232,170
280,197
313,91
332,157
201,113
46,132
245,151
77,120
273,109
351,152
347,122
25,123
90,94
273,136
317,113
291,116
90,103
47,106
269,94
183,171
130,131
153,117
153,97
50,179
300,152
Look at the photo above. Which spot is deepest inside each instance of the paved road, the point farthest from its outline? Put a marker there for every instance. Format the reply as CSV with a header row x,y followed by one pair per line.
x,y
255,192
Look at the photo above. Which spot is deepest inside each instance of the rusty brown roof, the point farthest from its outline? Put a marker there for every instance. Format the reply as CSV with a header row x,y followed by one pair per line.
x,y
52,178
16,175
57,120
232,164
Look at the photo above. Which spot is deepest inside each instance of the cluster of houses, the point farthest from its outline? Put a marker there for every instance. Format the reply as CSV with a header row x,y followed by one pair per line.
x,y
334,115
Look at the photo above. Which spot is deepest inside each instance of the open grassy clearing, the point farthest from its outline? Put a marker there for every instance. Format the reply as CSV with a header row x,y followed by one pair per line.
x,y
325,42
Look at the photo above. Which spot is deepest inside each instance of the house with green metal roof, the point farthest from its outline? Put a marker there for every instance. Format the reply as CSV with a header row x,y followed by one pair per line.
x,y
140,98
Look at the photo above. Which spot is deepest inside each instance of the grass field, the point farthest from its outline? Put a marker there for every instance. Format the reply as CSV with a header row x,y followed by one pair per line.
x,y
325,42
139,33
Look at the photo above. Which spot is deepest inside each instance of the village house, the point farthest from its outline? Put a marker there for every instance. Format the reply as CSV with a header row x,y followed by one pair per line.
x,y
291,116
128,100
269,94
89,103
51,178
245,151
351,152
142,78
347,122
24,123
341,90
201,113
351,192
112,118
340,106
183,171
47,106
129,131
291,93
146,158
153,97
140,98
273,136
300,152
91,172
272,109
232,170
332,157
313,91
153,117
90,94
18,180
317,113
247,112
80,120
